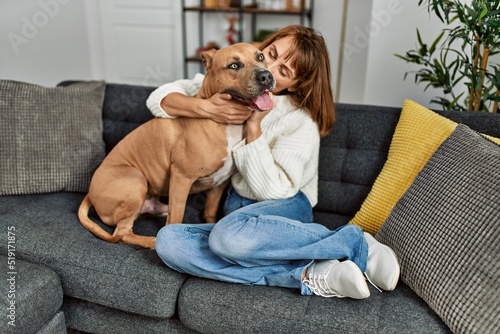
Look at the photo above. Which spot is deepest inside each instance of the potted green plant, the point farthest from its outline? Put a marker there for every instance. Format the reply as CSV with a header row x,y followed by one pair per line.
x,y
459,61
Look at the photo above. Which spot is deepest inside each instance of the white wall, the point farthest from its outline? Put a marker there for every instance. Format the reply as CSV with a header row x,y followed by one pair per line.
x,y
355,52
47,41
43,42
327,19
395,23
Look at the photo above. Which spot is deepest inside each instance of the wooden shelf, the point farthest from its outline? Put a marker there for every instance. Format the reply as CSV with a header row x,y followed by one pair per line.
x,y
211,9
193,58
250,10
244,12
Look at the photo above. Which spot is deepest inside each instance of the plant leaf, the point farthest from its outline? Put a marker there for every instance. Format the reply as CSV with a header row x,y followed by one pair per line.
x,y
436,41
484,12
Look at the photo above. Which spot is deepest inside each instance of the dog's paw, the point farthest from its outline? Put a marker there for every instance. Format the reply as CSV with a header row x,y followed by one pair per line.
x,y
153,207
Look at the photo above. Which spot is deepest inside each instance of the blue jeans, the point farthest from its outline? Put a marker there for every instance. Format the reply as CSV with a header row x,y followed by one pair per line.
x,y
260,243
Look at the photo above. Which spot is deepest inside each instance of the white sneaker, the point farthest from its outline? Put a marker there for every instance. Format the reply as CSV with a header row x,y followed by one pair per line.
x,y
331,278
382,267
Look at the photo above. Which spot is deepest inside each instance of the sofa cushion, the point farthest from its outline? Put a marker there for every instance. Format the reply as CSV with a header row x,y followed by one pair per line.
x,y
350,159
56,325
50,138
445,231
31,295
93,318
124,110
119,276
353,154
418,134
216,307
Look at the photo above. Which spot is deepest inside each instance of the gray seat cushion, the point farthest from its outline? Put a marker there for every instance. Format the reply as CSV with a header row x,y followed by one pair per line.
x,y
31,294
217,307
56,325
93,318
116,275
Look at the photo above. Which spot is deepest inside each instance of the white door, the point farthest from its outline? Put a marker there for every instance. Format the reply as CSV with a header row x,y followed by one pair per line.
x,y
140,41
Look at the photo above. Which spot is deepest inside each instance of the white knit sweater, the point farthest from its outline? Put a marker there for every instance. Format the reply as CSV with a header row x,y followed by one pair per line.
x,y
282,161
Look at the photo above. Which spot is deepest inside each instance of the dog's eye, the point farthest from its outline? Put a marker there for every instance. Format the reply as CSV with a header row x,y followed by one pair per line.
x,y
234,66
260,57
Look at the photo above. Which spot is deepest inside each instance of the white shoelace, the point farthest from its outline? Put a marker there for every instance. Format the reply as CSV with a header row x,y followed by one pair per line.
x,y
317,284
369,280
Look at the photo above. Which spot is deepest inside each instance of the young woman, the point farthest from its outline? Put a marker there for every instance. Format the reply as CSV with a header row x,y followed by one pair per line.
x,y
267,235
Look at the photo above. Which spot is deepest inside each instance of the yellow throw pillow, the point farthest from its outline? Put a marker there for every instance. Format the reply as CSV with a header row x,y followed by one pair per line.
x,y
417,136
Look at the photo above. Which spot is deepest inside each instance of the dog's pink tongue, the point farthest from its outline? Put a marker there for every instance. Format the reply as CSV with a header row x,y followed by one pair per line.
x,y
263,101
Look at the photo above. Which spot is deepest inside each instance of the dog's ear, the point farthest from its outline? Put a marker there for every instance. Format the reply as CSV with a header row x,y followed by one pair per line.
x,y
207,58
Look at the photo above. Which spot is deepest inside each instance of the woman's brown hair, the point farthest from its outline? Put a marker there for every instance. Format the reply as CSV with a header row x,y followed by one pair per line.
x,y
313,90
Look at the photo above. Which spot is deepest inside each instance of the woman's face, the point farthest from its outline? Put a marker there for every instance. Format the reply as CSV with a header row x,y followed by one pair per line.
x,y
281,68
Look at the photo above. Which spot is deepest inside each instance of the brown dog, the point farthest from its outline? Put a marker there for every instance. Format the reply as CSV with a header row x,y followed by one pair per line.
x,y
177,157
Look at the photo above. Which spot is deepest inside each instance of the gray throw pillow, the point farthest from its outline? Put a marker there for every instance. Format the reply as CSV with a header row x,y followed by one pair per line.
x,y
50,138
446,231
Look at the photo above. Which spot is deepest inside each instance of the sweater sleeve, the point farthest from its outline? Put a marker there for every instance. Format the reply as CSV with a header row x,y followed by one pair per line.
x,y
187,87
278,168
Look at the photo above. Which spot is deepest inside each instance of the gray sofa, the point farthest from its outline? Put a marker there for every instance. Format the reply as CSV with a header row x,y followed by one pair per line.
x,y
117,288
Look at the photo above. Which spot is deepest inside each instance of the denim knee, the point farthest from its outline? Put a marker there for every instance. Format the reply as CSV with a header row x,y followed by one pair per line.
x,y
226,242
168,242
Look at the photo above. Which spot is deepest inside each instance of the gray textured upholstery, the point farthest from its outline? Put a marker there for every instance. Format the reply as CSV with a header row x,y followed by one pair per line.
x,y
350,160
37,295
445,230
115,275
217,307
94,318
119,288
56,325
50,137
353,155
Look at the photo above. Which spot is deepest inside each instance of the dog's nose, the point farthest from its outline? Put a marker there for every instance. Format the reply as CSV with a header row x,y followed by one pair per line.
x,y
265,78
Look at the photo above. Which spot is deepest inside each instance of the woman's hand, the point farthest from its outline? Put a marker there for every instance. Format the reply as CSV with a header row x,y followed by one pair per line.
x,y
252,128
219,108
222,109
